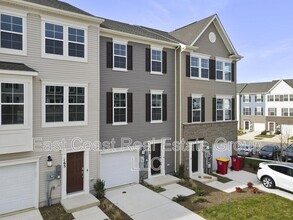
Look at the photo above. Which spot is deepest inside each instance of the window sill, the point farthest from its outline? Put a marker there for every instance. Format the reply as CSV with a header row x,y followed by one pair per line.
x,y
65,58
119,123
13,52
222,80
63,124
156,73
156,122
198,78
119,69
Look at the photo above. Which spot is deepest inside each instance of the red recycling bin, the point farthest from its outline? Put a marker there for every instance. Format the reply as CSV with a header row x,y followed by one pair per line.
x,y
237,163
222,165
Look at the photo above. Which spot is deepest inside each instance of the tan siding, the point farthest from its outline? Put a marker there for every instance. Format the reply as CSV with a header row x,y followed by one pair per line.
x,y
59,71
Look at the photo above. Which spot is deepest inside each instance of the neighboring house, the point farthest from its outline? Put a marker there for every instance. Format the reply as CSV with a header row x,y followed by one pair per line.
x,y
206,92
138,102
49,73
266,106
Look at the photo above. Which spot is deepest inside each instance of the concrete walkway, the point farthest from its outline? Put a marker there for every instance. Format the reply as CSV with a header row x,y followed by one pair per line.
x,y
140,203
94,213
241,178
26,215
173,190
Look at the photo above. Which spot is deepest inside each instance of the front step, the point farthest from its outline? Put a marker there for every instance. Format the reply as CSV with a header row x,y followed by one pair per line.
x,y
204,178
78,203
162,180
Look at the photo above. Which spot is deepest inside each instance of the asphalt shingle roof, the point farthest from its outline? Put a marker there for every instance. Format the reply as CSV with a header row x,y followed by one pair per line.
x,y
260,87
60,5
15,66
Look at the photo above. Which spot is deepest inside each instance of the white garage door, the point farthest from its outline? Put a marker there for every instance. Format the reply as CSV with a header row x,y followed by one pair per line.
x,y
259,127
287,130
119,168
18,187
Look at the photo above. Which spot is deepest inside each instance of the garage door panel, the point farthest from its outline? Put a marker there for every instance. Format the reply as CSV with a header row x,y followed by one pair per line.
x,y
119,168
259,127
17,187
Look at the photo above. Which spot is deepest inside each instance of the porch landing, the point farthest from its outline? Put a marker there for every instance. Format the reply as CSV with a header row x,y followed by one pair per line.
x,y
162,180
204,178
78,203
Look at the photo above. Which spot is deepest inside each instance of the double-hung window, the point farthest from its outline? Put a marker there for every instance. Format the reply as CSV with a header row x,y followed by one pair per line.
x,y
285,112
64,105
120,55
258,111
272,111
156,60
120,107
246,111
277,98
156,106
286,98
12,32
291,97
196,109
246,98
258,98
76,42
291,112
223,70
199,67
270,98
12,103
224,109
64,42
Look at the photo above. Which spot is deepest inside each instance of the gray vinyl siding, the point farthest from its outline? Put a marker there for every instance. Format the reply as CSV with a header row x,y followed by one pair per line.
x,y
139,82
59,71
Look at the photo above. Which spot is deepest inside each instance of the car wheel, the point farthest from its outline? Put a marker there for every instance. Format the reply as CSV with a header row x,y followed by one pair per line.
x,y
268,182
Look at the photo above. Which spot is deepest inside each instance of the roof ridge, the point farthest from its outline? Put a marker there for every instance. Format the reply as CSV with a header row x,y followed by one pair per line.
x,y
145,28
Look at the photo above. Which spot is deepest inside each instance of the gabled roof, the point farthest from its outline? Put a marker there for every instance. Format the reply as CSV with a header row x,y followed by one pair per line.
x,y
188,33
138,30
60,5
15,67
289,82
240,87
260,87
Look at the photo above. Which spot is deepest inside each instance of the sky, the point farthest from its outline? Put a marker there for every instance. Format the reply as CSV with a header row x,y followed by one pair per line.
x,y
260,30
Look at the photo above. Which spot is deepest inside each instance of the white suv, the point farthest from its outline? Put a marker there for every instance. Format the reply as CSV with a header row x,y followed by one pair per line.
x,y
276,175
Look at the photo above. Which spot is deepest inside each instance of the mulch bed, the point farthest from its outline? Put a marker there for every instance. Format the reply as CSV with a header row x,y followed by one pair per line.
x,y
55,212
110,214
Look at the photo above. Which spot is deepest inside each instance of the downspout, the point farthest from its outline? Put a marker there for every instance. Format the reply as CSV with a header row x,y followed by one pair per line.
x,y
176,107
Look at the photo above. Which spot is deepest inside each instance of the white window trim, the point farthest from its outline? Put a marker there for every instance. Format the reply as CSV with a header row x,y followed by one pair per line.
x,y
156,92
275,110
157,49
17,13
224,115
163,143
200,57
259,110
258,96
223,60
66,122
119,90
245,100
288,112
122,42
268,98
65,55
247,110
194,96
27,82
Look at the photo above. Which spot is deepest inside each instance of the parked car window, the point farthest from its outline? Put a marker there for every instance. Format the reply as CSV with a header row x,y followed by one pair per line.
x,y
281,169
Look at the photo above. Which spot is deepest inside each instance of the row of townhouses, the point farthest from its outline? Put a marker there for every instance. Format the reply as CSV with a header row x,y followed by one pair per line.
x,y
266,106
74,86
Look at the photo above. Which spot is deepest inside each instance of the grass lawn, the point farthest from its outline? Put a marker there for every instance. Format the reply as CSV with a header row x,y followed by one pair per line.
x,y
265,206
264,136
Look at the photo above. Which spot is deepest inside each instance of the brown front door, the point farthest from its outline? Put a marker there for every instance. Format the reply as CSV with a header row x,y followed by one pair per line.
x,y
74,172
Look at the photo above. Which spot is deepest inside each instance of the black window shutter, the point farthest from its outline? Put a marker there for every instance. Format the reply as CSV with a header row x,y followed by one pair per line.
x,y
109,109
255,111
215,109
148,60
187,65
189,109
148,107
164,62
249,98
255,98
129,58
212,69
109,54
233,109
164,107
129,107
202,109
233,71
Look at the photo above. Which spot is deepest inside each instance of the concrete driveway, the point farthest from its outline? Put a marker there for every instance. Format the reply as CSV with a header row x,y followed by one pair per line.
x,y
140,203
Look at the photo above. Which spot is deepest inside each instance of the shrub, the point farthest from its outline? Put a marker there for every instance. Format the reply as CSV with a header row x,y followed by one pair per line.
x,y
238,189
189,183
278,132
250,185
199,200
179,198
200,191
100,188
255,190
181,171
264,132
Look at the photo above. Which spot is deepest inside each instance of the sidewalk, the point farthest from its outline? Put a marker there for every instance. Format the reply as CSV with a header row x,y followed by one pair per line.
x,y
250,136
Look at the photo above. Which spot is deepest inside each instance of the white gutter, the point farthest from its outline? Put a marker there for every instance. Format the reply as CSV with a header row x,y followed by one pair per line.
x,y
55,10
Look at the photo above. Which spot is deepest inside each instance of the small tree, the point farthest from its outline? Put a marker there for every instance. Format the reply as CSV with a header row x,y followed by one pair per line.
x,y
100,188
